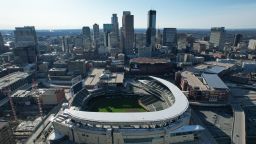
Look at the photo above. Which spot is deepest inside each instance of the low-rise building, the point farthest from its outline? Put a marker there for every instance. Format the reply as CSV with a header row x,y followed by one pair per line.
x,y
99,77
213,67
48,97
184,59
198,60
150,66
77,67
204,88
57,72
144,51
249,66
6,136
12,82
201,46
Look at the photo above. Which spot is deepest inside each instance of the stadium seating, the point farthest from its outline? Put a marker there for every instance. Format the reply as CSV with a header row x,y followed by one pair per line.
x,y
160,97
80,97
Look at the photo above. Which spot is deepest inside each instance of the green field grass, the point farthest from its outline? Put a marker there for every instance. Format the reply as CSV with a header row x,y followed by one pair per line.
x,y
116,104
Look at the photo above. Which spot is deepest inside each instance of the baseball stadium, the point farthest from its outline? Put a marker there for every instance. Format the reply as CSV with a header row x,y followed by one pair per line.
x,y
105,116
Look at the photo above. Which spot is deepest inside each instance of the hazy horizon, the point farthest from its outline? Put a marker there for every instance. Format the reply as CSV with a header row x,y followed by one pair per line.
x,y
134,28
182,14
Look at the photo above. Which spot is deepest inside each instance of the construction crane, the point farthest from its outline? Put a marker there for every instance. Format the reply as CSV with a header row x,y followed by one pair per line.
x,y
7,92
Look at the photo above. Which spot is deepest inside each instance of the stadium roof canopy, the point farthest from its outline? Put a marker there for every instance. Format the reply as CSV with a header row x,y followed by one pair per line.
x,y
178,108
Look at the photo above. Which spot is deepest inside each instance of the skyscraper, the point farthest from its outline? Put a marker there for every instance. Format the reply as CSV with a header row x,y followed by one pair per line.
x,y
217,37
26,45
1,43
182,41
112,40
67,43
128,33
107,28
170,38
151,30
114,21
140,45
87,41
96,35
159,37
86,31
115,33
237,39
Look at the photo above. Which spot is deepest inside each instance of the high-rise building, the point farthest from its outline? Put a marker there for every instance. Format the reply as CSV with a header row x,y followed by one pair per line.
x,y
140,40
67,44
87,41
252,44
151,30
114,22
96,35
6,136
86,31
1,40
170,38
237,39
140,45
1,43
78,41
182,41
113,44
112,40
128,33
26,45
107,28
159,37
217,37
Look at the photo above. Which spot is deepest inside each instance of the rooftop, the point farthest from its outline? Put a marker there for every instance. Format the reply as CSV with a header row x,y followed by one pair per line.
x,y
194,81
215,69
3,124
12,78
98,75
211,67
21,93
58,69
221,64
149,60
214,81
94,77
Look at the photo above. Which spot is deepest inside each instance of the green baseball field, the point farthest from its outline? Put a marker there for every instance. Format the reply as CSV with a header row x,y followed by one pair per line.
x,y
115,104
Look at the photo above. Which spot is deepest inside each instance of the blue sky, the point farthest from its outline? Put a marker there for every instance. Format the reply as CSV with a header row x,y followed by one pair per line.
x,y
55,14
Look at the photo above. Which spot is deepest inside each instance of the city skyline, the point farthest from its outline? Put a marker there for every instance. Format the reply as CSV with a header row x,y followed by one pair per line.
x,y
170,13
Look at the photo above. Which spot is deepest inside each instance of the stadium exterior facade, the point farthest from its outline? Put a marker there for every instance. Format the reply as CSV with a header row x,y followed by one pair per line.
x,y
170,124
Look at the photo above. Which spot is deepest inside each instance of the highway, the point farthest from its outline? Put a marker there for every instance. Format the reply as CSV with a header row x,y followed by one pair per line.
x,y
44,124
239,96
37,133
238,134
